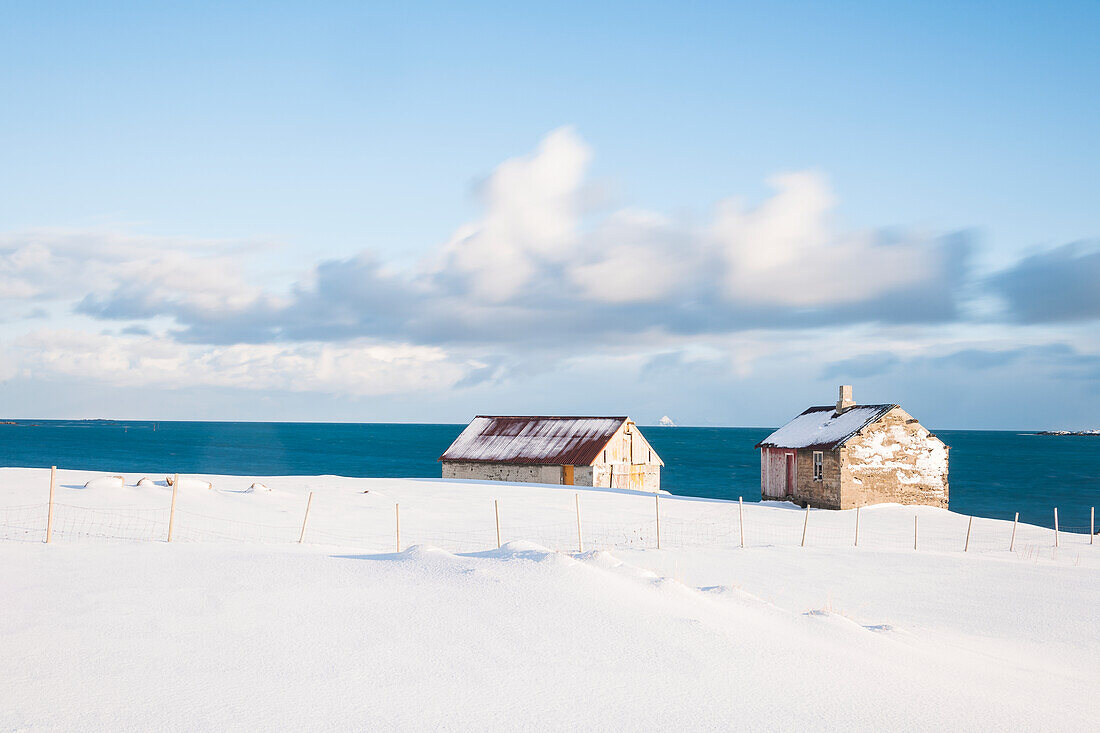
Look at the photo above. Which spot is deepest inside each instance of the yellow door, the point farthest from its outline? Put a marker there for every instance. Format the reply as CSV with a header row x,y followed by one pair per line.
x,y
567,475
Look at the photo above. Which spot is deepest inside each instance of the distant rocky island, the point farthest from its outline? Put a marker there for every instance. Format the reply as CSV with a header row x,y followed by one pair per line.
x,y
1070,432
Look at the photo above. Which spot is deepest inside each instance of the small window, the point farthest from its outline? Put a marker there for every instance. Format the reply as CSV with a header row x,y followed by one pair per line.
x,y
605,456
651,455
819,468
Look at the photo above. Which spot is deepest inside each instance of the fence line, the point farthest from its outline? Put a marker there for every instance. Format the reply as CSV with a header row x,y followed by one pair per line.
x,y
24,523
580,537
49,511
713,526
302,536
172,511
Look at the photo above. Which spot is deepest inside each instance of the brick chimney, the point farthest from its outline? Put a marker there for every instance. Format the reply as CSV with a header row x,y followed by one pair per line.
x,y
844,400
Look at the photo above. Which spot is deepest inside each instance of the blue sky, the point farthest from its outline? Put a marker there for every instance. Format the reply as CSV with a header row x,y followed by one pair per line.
x,y
418,212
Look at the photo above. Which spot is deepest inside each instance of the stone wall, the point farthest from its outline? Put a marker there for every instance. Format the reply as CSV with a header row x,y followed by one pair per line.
x,y
895,459
823,494
638,477
522,473
582,476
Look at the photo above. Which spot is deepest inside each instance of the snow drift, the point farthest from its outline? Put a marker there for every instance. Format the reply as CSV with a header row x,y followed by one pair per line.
x,y
343,634
106,482
187,483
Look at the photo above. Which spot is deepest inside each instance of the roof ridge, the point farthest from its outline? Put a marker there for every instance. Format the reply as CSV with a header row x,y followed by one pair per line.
x,y
816,408
553,417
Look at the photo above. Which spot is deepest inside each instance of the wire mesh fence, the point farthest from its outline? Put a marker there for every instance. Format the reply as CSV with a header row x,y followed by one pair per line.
x,y
715,525
87,523
26,523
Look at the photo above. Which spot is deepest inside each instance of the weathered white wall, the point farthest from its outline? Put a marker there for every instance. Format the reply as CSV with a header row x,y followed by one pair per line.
x,y
628,462
896,459
637,477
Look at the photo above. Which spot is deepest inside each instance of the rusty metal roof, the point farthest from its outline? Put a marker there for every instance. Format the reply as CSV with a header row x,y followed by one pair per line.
x,y
554,441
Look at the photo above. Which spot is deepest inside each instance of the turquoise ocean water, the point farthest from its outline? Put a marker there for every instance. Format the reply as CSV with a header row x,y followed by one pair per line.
x,y
993,473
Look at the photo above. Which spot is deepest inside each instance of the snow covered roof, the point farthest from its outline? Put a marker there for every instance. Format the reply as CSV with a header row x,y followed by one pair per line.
x,y
555,441
822,428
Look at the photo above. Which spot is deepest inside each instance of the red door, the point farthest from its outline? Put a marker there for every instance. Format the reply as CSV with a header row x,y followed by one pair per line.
x,y
790,474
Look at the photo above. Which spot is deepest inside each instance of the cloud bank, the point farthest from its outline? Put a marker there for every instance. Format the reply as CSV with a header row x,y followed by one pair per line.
x,y
1059,285
546,272
542,262
355,369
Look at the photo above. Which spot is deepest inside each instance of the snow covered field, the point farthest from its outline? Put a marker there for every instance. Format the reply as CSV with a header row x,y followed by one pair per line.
x,y
235,625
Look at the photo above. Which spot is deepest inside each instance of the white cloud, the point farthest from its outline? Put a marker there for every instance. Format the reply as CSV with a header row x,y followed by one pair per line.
x,y
532,210
149,273
357,369
542,274
637,257
786,251
541,259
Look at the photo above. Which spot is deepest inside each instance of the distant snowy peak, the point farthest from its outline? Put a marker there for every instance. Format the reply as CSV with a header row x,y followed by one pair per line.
x,y
666,422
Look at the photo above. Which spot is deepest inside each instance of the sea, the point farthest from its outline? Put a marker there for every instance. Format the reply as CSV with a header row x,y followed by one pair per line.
x,y
992,473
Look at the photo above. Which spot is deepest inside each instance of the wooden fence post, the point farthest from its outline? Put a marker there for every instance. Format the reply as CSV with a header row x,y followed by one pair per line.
x,y
1012,542
968,524
1092,524
496,508
914,531
397,516
741,518
580,538
857,526
805,522
657,507
1055,526
172,511
49,512
305,519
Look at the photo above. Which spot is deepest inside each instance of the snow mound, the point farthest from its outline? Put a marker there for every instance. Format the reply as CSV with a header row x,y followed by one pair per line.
x,y
257,487
523,547
426,552
190,483
607,561
106,482
519,550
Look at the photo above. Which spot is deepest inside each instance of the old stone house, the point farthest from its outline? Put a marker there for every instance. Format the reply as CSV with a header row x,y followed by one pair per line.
x,y
849,455
581,451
